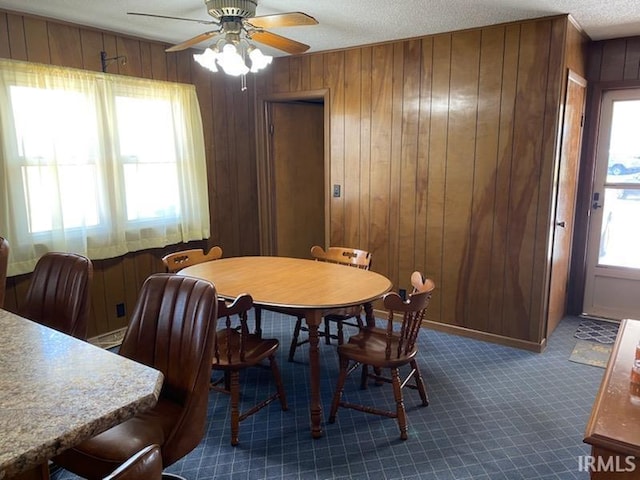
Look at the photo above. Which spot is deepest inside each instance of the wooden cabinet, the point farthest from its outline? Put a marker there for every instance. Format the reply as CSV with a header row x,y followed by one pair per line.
x,y
613,430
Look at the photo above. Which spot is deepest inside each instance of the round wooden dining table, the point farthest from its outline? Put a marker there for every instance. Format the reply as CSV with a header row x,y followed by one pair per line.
x,y
309,286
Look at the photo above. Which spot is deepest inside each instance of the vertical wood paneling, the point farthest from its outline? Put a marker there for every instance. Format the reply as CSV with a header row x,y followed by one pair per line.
x,y
408,171
381,115
316,71
17,41
37,40
477,264
281,74
352,155
395,159
527,154
422,168
4,36
555,85
437,171
365,148
92,45
130,50
335,77
463,107
296,81
613,60
632,59
503,182
65,45
158,62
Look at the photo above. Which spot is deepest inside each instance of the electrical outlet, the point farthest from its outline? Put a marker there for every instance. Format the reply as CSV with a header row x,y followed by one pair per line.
x,y
120,310
336,190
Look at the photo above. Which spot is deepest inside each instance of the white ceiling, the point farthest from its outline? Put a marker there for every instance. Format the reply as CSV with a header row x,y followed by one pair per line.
x,y
342,23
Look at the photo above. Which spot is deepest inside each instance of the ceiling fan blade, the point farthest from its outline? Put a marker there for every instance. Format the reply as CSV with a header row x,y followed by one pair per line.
x,y
204,22
279,42
292,19
192,41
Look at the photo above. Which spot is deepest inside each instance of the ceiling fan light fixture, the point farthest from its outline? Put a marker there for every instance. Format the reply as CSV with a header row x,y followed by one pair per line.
x,y
258,59
207,59
231,61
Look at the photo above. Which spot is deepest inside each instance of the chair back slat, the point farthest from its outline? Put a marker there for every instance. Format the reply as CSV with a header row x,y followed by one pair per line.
x,y
413,310
174,262
235,328
352,257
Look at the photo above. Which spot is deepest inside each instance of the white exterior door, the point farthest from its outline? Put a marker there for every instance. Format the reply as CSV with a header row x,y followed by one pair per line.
x,y
612,287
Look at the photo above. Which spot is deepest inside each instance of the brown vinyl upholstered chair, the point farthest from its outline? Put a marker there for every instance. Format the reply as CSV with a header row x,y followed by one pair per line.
x,y
171,329
386,348
59,294
4,259
174,262
237,349
144,465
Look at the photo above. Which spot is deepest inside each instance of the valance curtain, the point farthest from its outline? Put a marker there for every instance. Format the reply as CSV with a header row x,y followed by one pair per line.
x,y
97,164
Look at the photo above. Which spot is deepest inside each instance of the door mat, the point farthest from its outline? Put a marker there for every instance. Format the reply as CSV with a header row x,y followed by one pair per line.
x,y
591,353
597,331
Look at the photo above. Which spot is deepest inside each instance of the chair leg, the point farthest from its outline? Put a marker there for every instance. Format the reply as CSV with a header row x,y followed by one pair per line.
x,y
422,390
235,406
364,376
258,321
327,332
279,385
400,412
340,332
294,340
342,377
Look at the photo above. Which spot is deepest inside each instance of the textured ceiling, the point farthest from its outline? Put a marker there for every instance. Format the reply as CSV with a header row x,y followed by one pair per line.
x,y
342,23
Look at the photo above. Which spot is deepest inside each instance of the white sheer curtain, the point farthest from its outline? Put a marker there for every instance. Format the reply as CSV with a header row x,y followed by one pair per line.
x,y
97,164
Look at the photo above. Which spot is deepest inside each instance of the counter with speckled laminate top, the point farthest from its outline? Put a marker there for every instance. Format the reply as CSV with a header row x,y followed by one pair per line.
x,y
56,391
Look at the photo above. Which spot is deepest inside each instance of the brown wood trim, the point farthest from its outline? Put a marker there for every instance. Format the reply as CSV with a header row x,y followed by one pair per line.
x,y
475,334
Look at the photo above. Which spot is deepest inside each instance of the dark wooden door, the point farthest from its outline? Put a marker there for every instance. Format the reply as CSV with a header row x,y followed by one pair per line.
x,y
297,159
566,198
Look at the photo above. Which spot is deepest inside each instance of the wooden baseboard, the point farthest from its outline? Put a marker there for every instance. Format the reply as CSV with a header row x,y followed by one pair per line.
x,y
478,335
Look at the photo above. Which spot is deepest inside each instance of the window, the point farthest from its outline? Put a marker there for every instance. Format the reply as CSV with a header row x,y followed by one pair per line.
x,y
97,164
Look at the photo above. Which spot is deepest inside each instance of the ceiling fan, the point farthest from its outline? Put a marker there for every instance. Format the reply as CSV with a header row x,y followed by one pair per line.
x,y
238,26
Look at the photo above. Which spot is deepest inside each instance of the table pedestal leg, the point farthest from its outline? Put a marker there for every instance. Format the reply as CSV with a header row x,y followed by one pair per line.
x,y
368,314
313,319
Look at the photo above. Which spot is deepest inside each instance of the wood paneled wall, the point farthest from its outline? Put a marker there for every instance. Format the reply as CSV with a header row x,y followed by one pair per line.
x,y
445,147
228,127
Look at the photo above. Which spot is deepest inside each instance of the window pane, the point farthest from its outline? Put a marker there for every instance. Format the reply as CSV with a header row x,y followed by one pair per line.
x,y
152,190
147,149
57,145
624,146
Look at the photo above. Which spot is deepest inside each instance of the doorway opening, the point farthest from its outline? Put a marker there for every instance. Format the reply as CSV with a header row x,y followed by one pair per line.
x,y
613,256
293,173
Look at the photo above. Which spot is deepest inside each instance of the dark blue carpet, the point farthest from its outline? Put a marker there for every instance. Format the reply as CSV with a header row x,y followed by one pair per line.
x,y
495,413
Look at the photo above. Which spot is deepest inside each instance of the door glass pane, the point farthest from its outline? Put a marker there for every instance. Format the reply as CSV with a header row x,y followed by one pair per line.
x,y
620,233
